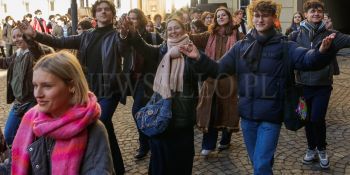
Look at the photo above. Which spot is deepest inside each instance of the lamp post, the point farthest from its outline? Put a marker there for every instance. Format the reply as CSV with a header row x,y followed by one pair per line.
x,y
74,14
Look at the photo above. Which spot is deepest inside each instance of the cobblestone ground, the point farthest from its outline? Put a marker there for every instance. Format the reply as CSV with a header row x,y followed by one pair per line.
x,y
290,149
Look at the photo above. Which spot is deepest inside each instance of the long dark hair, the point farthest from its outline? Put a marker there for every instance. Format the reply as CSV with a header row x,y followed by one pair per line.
x,y
140,17
293,26
293,23
229,27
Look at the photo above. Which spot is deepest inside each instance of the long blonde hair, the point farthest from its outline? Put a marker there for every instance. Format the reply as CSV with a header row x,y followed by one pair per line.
x,y
67,67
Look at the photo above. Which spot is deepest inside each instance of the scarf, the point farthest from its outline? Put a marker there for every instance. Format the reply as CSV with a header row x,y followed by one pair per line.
x,y
253,53
169,75
69,132
313,29
210,48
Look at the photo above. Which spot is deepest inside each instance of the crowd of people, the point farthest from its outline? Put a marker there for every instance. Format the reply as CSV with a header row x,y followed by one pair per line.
x,y
221,76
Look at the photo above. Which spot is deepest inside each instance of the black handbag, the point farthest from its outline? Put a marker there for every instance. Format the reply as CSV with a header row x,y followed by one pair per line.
x,y
154,118
295,114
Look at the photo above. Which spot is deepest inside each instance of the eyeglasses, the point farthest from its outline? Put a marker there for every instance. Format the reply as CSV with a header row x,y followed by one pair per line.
x,y
262,15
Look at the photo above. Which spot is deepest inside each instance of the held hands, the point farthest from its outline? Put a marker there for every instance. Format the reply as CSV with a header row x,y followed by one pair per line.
x,y
326,43
26,29
190,50
125,25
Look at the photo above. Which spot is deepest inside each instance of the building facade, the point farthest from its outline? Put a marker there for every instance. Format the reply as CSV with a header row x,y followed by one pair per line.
x,y
18,8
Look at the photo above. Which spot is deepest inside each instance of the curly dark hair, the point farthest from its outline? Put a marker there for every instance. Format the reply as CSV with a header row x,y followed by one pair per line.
x,y
157,16
85,24
313,4
140,17
98,2
37,11
8,18
265,6
199,25
229,27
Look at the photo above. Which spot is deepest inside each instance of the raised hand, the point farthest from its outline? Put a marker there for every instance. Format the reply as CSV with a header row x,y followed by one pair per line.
x,y
125,25
26,29
190,50
326,43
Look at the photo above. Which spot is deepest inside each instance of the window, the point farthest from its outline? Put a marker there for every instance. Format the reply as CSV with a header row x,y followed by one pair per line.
x,y
26,4
5,8
52,5
243,5
117,3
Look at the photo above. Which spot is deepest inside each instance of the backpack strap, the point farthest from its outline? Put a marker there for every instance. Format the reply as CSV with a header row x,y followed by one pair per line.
x,y
288,64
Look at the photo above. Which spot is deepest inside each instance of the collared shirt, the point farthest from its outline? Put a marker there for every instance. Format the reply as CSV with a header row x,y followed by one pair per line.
x,y
18,74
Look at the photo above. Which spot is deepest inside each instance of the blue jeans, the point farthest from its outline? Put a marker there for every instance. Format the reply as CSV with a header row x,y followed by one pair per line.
x,y
108,106
261,140
12,124
140,101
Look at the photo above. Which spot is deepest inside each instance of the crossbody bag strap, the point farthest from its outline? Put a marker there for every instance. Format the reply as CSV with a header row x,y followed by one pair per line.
x,y
288,63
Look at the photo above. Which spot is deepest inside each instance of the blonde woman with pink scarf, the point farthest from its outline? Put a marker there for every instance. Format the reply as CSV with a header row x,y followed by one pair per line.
x,y
62,133
172,152
217,105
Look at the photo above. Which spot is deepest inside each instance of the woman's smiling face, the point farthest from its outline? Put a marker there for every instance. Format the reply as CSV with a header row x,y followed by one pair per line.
x,y
174,29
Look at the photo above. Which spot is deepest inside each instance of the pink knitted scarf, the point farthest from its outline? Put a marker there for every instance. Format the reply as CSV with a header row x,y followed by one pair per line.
x,y
210,49
69,132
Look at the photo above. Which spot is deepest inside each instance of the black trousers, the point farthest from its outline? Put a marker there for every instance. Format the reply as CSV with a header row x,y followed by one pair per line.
x,y
172,153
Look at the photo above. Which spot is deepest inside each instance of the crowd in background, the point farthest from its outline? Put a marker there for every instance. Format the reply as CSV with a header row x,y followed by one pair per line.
x,y
58,99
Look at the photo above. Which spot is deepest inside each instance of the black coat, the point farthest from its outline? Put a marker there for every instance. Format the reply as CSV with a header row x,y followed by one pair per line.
x,y
184,103
112,46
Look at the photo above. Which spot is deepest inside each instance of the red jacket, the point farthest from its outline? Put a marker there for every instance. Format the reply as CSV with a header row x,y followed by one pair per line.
x,y
36,25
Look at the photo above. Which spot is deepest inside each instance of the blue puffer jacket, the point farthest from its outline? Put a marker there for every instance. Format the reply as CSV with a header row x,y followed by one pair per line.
x,y
261,94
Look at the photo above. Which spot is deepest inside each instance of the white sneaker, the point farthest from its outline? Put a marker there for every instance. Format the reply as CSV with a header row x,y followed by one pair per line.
x,y
205,152
324,160
223,147
310,156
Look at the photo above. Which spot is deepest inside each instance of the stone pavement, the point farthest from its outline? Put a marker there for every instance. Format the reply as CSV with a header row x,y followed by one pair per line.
x,y
290,150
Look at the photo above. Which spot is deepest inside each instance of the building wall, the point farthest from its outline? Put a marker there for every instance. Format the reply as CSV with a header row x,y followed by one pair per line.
x,y
17,9
289,7
232,5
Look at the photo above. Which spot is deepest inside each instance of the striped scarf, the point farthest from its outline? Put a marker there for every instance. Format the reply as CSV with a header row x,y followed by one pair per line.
x,y
313,29
69,132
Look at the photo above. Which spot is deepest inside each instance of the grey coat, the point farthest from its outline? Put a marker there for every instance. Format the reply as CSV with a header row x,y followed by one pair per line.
x,y
324,76
97,158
